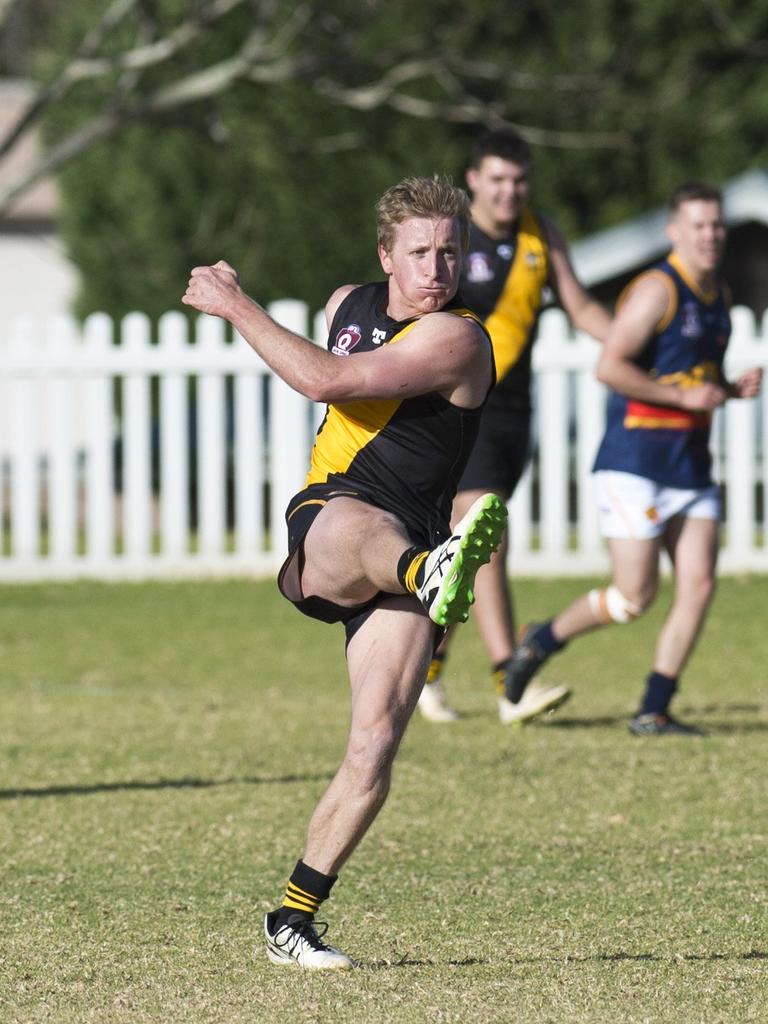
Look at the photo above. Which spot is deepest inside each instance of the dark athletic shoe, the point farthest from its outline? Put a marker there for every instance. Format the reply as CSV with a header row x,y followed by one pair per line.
x,y
661,725
297,943
449,570
524,664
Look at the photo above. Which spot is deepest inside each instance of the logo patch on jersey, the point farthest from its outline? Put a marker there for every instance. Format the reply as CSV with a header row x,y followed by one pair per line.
x,y
691,327
652,513
505,251
479,268
532,260
377,336
346,340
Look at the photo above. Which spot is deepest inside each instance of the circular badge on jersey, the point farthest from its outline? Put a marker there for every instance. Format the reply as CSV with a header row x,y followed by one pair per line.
x,y
479,268
506,251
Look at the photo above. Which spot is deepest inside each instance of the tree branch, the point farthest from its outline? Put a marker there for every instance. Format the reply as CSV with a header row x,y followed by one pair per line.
x,y
725,24
460,109
84,66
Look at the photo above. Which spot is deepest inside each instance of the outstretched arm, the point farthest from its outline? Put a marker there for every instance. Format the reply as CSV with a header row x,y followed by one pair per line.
x,y
442,352
305,367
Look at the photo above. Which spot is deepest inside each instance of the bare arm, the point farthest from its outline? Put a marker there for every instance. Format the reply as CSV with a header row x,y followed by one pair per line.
x,y
582,308
442,352
633,327
305,367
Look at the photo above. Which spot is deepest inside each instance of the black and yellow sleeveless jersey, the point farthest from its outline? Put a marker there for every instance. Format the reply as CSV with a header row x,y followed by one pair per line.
x,y
403,455
503,282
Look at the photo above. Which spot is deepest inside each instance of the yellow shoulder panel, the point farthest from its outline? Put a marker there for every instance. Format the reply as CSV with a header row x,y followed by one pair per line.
x,y
511,322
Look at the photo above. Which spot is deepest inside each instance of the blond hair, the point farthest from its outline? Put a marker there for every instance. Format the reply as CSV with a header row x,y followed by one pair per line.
x,y
430,198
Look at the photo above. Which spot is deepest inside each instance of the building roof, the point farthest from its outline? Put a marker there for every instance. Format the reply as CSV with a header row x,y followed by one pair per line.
x,y
638,241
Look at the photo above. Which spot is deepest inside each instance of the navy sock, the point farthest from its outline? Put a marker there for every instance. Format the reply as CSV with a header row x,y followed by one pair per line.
x,y
659,690
547,640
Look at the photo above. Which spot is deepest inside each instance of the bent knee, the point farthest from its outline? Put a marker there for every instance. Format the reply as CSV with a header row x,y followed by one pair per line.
x,y
611,605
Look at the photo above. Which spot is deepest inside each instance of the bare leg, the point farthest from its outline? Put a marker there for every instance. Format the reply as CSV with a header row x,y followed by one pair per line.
x,y
635,577
692,546
342,565
635,565
387,661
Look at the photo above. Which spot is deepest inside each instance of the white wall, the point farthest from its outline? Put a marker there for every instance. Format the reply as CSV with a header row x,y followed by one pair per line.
x,y
35,277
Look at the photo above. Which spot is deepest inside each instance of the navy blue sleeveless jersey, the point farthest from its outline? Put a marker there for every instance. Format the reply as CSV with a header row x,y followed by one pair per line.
x,y
403,455
663,443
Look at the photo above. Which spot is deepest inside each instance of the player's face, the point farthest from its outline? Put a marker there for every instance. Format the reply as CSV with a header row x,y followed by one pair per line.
x,y
423,264
499,190
697,231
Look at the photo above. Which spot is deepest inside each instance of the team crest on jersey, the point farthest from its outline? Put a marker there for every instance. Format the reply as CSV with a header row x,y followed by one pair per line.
x,y
505,251
532,260
346,340
691,327
479,268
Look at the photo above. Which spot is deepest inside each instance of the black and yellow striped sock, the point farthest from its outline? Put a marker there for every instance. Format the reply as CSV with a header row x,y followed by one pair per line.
x,y
410,568
305,891
435,669
498,672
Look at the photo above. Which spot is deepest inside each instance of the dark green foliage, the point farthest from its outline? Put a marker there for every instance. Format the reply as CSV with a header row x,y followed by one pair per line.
x,y
620,100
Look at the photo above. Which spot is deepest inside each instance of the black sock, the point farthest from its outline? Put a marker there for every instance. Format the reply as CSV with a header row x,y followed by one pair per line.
x,y
304,893
410,568
547,640
659,690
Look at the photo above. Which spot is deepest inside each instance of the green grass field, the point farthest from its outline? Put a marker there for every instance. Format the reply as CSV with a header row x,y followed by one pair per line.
x,y
162,745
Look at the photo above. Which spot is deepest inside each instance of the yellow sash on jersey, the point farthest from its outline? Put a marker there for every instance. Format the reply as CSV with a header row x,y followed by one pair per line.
x,y
511,321
349,426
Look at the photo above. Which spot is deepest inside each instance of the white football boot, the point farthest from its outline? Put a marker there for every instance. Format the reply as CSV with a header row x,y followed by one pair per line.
x,y
298,944
449,570
433,703
537,699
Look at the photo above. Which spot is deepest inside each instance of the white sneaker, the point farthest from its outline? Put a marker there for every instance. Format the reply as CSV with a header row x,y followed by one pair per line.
x,y
537,698
433,703
449,570
298,944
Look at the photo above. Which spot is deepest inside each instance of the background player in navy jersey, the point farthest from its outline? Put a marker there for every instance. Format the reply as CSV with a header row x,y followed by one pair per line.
x,y
663,361
370,544
516,258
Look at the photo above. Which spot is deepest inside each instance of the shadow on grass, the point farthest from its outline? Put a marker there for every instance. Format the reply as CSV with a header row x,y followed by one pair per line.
x,y
186,783
619,957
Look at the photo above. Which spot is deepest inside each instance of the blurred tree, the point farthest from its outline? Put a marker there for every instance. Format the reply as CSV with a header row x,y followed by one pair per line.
x,y
263,130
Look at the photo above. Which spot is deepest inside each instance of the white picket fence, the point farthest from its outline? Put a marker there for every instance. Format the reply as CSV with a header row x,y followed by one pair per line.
x,y
172,456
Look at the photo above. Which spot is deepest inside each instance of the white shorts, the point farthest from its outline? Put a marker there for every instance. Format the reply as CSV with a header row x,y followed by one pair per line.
x,y
635,508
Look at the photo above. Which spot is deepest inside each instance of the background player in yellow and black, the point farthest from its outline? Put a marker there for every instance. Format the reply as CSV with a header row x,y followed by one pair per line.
x,y
516,262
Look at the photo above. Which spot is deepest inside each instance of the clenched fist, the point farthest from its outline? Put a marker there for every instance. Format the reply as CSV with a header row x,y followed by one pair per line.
x,y
213,289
